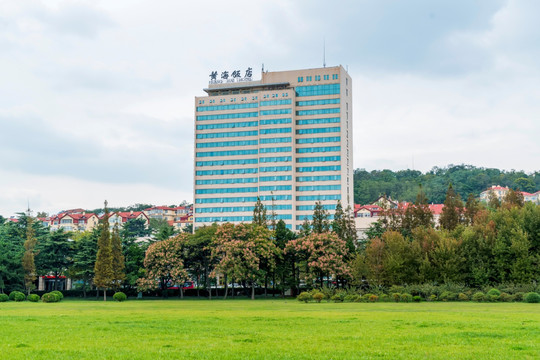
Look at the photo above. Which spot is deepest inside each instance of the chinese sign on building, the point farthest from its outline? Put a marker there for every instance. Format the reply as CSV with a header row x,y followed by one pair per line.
x,y
230,76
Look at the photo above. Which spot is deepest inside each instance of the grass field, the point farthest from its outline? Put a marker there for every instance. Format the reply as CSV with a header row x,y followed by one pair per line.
x,y
268,329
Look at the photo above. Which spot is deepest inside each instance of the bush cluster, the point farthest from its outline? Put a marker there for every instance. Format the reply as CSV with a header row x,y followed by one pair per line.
x,y
4,298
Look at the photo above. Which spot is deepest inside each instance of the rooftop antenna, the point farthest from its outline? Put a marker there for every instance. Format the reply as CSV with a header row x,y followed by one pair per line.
x,y
324,53
263,67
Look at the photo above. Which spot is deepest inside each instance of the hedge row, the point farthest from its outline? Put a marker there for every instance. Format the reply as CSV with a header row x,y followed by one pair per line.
x,y
492,295
51,297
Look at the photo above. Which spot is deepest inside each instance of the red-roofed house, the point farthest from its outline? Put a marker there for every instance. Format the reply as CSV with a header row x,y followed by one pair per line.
x,y
74,221
161,212
132,215
366,215
183,221
501,191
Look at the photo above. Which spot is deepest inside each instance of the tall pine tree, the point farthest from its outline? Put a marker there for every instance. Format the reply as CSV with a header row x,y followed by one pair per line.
x,y
259,213
320,223
103,268
118,263
28,261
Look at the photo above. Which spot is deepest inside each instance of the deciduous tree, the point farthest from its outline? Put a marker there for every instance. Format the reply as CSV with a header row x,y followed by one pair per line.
x,y
244,252
451,215
164,264
324,254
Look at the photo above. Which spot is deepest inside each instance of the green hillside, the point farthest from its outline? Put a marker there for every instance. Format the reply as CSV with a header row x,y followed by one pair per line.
x,y
403,184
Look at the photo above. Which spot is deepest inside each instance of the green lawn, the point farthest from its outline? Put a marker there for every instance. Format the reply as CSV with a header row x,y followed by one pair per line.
x,y
268,329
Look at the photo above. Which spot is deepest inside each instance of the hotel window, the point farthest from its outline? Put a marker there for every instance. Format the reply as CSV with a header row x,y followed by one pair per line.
x,y
326,77
300,79
308,78
317,77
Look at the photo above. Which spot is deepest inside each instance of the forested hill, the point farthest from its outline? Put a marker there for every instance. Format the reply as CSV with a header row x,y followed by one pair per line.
x,y
403,185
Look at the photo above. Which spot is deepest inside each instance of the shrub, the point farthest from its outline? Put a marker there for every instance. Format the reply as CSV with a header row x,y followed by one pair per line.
x,y
432,297
396,289
427,290
373,298
463,297
365,297
396,296
493,295
341,294
50,298
494,292
33,297
336,298
305,297
59,294
506,297
519,296
4,298
351,298
328,292
318,296
452,287
17,296
119,296
532,297
479,296
406,298
417,298
384,298
448,296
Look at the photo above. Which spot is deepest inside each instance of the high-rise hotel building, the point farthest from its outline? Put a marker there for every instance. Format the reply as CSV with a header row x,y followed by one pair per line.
x,y
286,138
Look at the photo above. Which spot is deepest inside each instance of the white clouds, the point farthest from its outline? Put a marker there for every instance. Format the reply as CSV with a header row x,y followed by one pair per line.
x,y
99,95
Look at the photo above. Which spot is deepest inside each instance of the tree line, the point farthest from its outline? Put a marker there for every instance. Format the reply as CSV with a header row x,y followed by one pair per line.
x,y
472,244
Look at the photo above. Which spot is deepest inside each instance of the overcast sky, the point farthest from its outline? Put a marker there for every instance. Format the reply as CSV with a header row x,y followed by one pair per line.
x,y
97,97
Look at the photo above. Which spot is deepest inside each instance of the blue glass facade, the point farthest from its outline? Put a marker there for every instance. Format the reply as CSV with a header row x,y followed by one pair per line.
x,y
227,107
227,153
227,116
226,162
275,121
317,112
318,149
233,125
317,90
227,134
334,120
318,140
